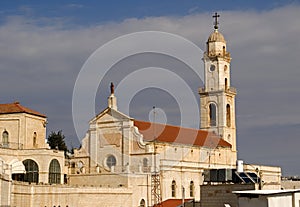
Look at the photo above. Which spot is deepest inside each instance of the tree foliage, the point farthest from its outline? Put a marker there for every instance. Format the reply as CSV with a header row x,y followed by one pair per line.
x,y
57,141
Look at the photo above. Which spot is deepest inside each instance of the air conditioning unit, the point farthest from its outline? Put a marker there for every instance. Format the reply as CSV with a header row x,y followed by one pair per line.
x,y
224,175
214,175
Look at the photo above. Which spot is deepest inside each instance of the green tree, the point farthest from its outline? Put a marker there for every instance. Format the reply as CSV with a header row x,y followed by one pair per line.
x,y
57,141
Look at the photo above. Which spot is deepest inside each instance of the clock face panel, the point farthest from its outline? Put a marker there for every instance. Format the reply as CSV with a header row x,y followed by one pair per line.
x,y
212,68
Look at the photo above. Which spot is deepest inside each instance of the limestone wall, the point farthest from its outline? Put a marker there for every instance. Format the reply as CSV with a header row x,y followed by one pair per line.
x,y
290,184
5,186
103,180
21,128
218,195
270,175
26,195
42,157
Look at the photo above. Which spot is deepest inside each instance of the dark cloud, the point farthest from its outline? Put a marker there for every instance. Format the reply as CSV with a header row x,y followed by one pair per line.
x,y
41,58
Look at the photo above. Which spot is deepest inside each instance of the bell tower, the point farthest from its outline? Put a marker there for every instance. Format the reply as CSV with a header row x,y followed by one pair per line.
x,y
217,97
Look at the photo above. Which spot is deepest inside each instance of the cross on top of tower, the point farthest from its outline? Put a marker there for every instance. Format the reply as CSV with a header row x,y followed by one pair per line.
x,y
216,20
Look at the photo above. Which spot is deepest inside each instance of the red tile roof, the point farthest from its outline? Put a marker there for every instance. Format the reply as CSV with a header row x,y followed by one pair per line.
x,y
16,107
172,203
179,135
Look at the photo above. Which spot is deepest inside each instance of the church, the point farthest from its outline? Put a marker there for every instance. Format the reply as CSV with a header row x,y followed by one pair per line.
x,y
127,162
164,161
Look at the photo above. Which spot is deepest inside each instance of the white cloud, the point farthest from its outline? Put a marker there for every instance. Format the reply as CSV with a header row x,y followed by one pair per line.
x,y
74,6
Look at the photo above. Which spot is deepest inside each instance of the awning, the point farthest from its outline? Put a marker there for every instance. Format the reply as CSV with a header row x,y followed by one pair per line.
x,y
17,167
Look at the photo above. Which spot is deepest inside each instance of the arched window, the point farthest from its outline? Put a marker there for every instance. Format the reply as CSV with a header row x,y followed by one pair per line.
x,y
32,171
226,84
54,172
173,188
192,189
81,167
142,203
229,138
111,161
145,162
212,114
5,138
73,166
225,68
34,139
228,116
145,165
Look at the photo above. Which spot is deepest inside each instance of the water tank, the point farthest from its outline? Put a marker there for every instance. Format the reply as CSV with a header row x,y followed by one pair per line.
x,y
240,166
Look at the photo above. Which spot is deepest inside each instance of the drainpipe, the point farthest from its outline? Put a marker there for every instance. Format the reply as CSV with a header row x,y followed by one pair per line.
x,y
183,196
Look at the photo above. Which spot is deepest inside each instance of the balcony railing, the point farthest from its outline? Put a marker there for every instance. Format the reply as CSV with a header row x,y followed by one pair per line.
x,y
11,145
230,89
201,90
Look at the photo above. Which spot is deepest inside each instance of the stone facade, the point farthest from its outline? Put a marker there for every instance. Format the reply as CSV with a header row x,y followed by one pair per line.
x,y
290,184
270,175
23,141
25,131
23,194
268,198
114,134
165,162
218,195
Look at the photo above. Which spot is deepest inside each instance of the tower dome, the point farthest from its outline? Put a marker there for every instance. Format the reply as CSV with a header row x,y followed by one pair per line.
x,y
216,44
216,36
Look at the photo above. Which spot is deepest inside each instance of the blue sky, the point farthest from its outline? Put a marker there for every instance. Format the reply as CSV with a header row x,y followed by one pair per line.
x,y
44,45
95,12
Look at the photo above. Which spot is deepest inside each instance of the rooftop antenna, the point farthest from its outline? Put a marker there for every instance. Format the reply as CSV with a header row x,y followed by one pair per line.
x,y
154,116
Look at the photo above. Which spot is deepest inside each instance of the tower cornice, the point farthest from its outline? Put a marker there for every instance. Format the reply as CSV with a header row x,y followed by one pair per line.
x,y
226,57
230,91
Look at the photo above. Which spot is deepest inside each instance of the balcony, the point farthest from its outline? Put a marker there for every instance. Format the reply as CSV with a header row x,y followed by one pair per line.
x,y
11,145
230,89
201,90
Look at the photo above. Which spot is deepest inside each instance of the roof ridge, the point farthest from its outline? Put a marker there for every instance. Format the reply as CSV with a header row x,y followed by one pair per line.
x,y
16,107
177,134
19,106
181,127
166,125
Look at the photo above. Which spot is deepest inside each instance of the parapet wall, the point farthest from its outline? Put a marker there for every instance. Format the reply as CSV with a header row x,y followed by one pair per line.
x,y
218,195
31,195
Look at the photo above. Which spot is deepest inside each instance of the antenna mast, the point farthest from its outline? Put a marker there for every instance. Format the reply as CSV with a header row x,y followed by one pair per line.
x,y
155,177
